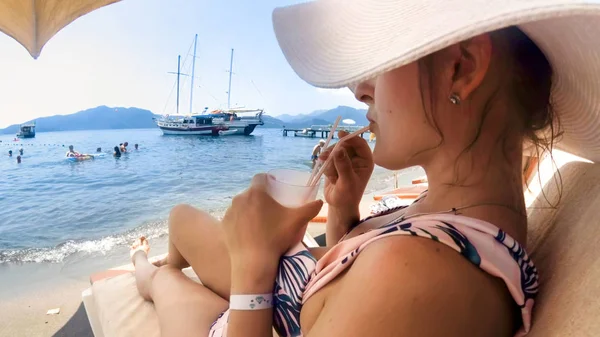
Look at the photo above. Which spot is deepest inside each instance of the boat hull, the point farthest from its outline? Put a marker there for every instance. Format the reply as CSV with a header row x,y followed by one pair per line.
x,y
211,131
188,132
239,130
176,129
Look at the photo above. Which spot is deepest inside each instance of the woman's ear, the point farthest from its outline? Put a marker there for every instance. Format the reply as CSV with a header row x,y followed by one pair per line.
x,y
471,65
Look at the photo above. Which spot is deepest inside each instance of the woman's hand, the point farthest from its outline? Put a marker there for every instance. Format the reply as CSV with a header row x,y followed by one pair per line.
x,y
347,178
258,231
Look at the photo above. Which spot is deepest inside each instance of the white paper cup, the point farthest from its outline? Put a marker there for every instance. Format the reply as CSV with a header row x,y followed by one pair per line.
x,y
289,187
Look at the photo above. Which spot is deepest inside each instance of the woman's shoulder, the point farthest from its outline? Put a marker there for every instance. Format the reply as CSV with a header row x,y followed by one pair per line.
x,y
414,279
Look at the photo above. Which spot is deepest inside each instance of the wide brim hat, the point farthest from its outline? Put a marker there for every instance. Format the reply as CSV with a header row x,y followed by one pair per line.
x,y
338,43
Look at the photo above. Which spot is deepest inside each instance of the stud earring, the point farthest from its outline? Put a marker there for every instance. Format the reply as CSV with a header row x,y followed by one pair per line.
x,y
454,99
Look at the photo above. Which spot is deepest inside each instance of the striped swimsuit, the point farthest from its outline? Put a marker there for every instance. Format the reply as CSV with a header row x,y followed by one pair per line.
x,y
483,244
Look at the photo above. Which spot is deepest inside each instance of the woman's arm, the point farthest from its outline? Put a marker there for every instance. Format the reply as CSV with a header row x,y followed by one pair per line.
x,y
339,222
252,279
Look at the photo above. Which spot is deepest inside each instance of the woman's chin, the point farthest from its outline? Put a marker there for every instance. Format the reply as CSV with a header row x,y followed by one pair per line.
x,y
387,160
381,160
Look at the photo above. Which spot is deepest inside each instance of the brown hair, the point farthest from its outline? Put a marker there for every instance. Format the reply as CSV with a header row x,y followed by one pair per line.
x,y
529,85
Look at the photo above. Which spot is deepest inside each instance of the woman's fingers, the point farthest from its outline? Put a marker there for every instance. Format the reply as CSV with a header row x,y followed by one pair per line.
x,y
359,146
343,164
326,152
331,172
354,153
259,181
342,134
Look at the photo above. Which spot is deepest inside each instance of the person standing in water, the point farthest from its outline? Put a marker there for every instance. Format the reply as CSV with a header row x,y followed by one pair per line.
x,y
316,151
124,147
18,159
21,151
136,146
117,152
10,153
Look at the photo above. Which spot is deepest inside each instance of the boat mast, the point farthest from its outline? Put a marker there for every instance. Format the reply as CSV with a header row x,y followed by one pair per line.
x,y
193,68
178,74
230,73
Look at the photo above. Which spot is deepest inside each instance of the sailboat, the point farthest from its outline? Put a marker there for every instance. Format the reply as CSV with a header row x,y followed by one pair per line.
x,y
216,123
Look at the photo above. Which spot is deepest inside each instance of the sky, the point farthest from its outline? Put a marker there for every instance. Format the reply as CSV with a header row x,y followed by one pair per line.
x,y
121,56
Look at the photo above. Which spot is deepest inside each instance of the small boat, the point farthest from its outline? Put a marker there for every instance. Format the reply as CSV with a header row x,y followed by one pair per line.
x,y
26,131
228,132
305,133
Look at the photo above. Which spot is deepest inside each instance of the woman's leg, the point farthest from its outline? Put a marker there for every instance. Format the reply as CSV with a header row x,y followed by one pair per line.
x,y
184,307
196,239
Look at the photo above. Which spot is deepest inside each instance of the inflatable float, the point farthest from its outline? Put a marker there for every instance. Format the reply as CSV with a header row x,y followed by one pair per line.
x,y
85,157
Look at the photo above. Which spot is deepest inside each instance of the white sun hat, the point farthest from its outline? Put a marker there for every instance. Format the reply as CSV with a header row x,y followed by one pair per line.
x,y
338,43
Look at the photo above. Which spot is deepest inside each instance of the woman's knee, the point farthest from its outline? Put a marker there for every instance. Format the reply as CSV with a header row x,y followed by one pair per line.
x,y
183,216
182,213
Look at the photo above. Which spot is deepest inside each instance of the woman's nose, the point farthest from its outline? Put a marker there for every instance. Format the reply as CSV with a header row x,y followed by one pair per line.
x,y
365,92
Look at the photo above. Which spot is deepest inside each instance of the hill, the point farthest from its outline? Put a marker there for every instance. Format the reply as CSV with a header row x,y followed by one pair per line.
x,y
321,117
99,118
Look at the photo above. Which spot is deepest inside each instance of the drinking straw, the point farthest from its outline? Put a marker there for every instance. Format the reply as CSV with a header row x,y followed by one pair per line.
x,y
319,163
329,159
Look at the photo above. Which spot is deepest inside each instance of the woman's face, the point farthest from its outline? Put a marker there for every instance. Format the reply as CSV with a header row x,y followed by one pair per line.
x,y
398,120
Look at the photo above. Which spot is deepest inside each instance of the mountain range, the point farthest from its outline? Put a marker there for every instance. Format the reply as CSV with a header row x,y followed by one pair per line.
x,y
99,118
105,118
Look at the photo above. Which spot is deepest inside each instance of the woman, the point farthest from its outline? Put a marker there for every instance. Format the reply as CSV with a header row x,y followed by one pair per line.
x,y
462,111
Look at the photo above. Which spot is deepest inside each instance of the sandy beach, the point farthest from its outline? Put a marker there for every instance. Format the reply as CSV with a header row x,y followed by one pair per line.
x,y
25,315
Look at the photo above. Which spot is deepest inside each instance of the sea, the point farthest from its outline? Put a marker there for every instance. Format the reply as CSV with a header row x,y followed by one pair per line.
x,y
72,218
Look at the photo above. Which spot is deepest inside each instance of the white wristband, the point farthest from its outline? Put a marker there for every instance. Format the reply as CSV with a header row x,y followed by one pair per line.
x,y
251,302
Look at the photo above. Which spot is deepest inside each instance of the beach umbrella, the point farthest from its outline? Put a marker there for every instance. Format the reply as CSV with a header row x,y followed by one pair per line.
x,y
33,22
349,121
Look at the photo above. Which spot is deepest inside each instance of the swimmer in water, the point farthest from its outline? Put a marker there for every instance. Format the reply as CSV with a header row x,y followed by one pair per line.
x,y
117,152
10,153
135,146
21,151
72,153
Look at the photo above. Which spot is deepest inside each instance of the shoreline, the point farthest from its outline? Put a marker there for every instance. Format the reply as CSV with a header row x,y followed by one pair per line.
x,y
18,278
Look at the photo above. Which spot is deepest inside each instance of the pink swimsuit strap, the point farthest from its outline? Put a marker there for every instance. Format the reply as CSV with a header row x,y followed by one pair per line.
x,y
480,242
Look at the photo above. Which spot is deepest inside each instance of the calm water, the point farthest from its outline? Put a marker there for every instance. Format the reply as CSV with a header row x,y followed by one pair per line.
x,y
51,208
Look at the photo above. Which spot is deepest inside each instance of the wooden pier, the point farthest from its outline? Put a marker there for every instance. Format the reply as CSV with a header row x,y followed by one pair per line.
x,y
320,131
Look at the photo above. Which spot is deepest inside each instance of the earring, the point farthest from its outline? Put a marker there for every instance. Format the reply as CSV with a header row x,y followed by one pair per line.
x,y
454,99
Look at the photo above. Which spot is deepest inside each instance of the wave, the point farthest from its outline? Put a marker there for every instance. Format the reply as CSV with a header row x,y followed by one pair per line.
x,y
102,245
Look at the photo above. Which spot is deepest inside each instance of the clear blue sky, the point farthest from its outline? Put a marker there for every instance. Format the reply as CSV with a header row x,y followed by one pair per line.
x,y
120,55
